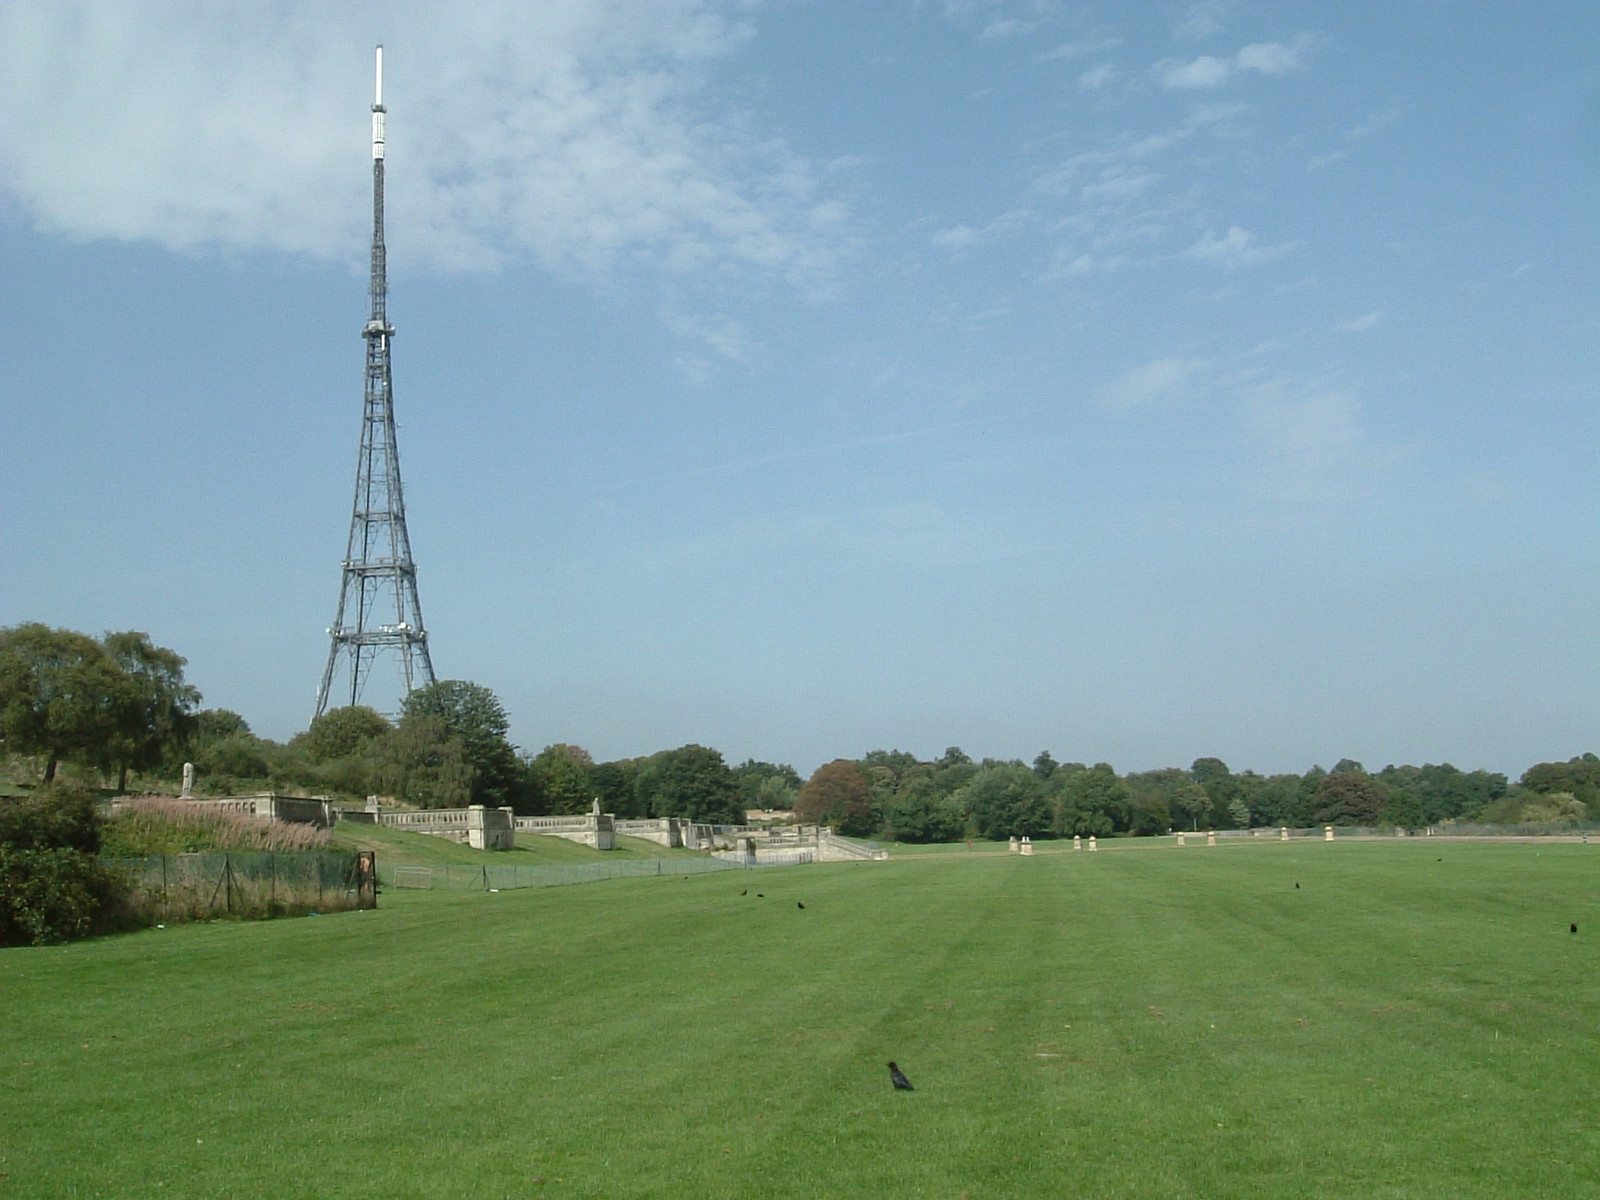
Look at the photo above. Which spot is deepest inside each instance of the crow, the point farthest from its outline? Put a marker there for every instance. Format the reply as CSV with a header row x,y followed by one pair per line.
x,y
1297,887
801,904
899,1080
761,895
1574,929
746,892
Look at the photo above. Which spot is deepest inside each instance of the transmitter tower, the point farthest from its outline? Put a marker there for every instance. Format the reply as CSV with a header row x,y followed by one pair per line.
x,y
379,616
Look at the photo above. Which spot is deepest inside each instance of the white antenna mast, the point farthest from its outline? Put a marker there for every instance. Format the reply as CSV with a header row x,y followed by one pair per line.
x,y
377,111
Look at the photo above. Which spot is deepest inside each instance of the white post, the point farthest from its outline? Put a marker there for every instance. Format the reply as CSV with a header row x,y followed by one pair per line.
x,y
1092,844
1181,841
1283,833
1211,837
1327,833
1077,842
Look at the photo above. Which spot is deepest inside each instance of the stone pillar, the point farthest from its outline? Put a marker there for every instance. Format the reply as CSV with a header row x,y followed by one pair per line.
x,y
1283,833
1027,845
1077,842
1181,839
1211,837
1092,845
188,782
1016,848
1327,833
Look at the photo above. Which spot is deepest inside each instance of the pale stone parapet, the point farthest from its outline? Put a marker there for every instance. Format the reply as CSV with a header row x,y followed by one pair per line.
x,y
1327,833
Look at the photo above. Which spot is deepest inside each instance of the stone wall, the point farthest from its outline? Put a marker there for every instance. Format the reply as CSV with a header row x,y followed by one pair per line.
x,y
595,830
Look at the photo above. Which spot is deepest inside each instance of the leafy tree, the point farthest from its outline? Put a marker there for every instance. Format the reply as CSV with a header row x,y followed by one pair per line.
x,y
918,811
691,781
1043,765
614,783
1192,802
153,707
837,794
1092,801
767,786
1239,813
1006,800
561,779
1578,777
474,717
1403,809
58,695
425,763
1349,798
342,732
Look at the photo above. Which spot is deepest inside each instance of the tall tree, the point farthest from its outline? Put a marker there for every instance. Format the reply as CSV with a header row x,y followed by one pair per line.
x,y
691,781
473,716
153,706
59,695
838,794
561,779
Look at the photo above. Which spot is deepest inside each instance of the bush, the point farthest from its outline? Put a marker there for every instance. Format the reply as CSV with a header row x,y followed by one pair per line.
x,y
52,886
53,895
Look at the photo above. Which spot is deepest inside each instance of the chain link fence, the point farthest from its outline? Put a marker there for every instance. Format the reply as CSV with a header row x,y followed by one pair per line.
x,y
491,877
195,887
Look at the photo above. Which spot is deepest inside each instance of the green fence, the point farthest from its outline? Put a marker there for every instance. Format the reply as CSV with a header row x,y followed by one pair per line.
x,y
191,887
490,877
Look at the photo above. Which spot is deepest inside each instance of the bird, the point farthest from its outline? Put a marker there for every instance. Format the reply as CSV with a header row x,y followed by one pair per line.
x,y
1297,887
897,1077
761,895
1574,929
746,892
801,904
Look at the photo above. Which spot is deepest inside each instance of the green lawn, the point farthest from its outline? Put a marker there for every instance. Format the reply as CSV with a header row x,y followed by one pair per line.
x,y
1415,1020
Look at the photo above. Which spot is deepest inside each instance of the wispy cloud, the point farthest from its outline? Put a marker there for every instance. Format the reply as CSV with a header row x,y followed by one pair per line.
x,y
1151,382
579,135
1202,21
1358,324
1209,71
1236,249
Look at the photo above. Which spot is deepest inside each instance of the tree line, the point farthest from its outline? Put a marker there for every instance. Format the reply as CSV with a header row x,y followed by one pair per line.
x,y
118,706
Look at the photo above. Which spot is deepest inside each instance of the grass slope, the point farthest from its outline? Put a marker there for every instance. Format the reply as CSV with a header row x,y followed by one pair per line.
x,y
1414,1021
422,849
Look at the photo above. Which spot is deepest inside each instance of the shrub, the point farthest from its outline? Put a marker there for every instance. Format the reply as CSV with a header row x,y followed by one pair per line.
x,y
52,886
53,895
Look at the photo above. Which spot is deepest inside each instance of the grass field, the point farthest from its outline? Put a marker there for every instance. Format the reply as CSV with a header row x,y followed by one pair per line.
x,y
1415,1020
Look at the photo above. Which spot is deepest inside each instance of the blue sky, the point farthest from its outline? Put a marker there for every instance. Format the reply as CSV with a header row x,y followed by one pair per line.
x,y
1136,381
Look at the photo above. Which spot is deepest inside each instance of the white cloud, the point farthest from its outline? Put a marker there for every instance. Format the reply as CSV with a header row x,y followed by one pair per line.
x,y
1007,27
1271,58
1203,20
582,134
1235,249
1098,77
1358,324
1202,72
1208,71
1160,379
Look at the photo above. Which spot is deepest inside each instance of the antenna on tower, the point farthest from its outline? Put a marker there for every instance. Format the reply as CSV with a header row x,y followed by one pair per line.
x,y
378,614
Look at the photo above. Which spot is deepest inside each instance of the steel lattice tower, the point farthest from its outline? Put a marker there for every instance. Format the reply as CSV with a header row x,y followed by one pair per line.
x,y
378,613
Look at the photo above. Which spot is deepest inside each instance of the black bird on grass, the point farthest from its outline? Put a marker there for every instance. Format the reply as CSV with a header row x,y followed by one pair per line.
x,y
746,892
897,1077
761,895
801,904
1297,887
1574,929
